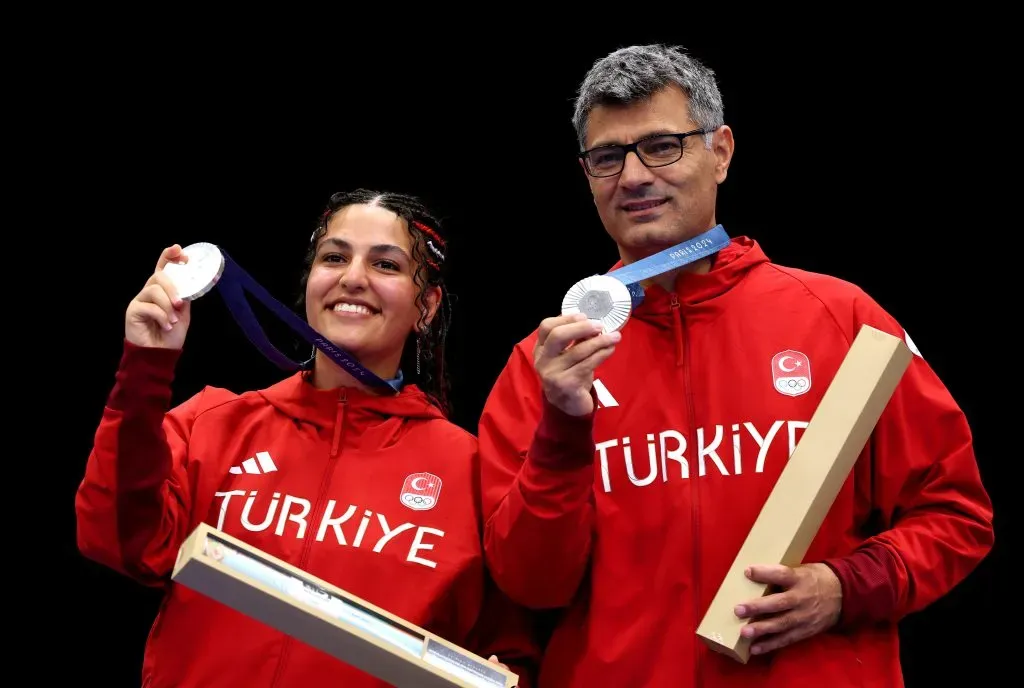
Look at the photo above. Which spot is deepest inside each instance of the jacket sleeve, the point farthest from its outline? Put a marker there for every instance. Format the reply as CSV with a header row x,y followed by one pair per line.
x,y
923,488
537,480
133,504
507,631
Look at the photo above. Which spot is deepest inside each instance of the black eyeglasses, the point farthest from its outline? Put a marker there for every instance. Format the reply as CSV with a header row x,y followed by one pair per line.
x,y
653,151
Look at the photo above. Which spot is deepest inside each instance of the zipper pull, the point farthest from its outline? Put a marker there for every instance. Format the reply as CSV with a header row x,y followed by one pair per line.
x,y
677,328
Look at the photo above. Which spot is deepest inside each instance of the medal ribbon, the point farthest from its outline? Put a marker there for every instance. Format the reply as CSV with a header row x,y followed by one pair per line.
x,y
233,285
683,253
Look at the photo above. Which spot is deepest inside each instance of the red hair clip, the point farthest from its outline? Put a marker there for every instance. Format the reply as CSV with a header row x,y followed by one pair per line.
x,y
430,241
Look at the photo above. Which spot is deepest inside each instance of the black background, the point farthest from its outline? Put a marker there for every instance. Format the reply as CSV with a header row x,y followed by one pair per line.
x,y
857,154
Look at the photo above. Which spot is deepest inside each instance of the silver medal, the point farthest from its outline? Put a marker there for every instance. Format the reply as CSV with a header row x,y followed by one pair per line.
x,y
199,275
602,299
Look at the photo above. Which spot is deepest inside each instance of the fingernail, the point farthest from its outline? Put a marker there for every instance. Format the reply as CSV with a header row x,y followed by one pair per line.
x,y
615,336
741,610
174,318
748,572
756,650
747,632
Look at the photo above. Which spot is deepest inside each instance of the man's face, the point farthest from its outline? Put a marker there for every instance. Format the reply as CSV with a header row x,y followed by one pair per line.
x,y
646,209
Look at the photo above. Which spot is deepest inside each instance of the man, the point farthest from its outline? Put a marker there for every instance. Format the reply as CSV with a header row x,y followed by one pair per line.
x,y
623,470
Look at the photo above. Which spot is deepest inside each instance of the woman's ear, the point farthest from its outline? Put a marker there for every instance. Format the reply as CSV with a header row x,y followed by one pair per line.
x,y
432,297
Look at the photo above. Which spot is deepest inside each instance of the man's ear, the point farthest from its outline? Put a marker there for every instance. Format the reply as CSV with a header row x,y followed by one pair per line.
x,y
722,145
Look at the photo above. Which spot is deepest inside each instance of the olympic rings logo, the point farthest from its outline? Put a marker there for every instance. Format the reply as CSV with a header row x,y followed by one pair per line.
x,y
792,386
421,501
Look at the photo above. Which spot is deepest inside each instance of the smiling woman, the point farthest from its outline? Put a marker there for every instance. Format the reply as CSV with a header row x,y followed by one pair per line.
x,y
374,285
374,491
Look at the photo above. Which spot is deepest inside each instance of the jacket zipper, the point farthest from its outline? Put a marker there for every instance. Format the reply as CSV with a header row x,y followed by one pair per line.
x,y
697,544
321,500
683,359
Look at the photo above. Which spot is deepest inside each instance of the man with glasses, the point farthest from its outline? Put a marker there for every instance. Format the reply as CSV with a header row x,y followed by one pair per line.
x,y
629,443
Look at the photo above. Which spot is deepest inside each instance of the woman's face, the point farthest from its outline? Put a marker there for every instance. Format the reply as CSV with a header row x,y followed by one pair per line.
x,y
360,293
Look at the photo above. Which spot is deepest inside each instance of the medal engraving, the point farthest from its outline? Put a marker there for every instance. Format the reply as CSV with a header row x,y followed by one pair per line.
x,y
602,299
596,304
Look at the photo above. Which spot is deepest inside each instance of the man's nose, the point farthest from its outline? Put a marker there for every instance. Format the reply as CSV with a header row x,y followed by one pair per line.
x,y
634,172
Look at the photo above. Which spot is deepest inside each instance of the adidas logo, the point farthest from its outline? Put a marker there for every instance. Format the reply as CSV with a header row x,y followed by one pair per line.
x,y
604,397
261,464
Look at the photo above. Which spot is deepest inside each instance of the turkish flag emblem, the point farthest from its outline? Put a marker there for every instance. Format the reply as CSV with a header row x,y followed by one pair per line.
x,y
791,373
420,491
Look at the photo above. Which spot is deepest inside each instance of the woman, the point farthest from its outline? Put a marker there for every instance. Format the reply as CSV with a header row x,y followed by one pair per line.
x,y
372,492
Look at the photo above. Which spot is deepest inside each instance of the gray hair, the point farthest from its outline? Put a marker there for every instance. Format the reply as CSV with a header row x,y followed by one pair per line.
x,y
635,73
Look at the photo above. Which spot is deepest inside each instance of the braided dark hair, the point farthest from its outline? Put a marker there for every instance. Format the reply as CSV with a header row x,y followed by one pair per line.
x,y
429,251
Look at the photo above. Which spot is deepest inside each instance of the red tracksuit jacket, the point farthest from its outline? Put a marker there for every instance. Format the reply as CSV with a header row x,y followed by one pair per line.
x,y
632,516
320,479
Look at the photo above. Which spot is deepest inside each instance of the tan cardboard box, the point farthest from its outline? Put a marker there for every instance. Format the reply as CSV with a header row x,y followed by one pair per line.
x,y
808,485
326,617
